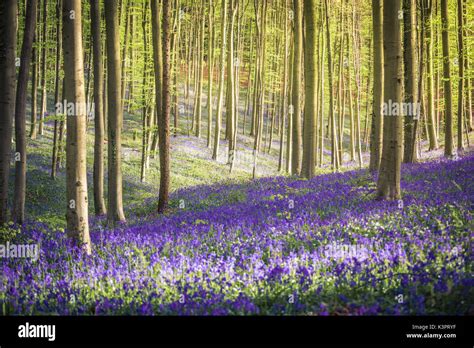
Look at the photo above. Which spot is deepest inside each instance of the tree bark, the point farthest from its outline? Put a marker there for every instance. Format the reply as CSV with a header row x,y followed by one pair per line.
x,y
164,120
158,66
334,142
461,52
431,119
310,109
388,186
8,41
99,136
220,97
296,97
76,161
44,98
18,211
57,88
448,132
115,113
409,58
377,120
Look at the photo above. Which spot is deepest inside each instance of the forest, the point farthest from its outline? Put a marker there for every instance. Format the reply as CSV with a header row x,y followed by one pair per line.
x,y
236,157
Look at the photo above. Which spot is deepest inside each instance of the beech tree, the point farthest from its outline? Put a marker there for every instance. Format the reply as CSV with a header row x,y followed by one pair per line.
x,y
220,95
164,120
8,27
448,131
76,164
377,119
409,40
310,111
115,113
18,211
99,202
388,185
296,97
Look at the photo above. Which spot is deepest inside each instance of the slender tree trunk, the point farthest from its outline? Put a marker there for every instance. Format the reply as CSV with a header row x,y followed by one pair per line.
x,y
176,60
34,81
409,58
125,48
230,100
431,119
296,98
115,113
200,73
8,38
377,120
448,142
210,65
158,66
310,109
43,69
76,162
388,185
164,116
99,136
145,108
321,102
18,211
467,79
57,88
284,94
461,52
334,142
220,97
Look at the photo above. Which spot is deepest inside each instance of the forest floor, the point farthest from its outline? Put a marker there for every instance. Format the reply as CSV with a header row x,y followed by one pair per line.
x,y
230,245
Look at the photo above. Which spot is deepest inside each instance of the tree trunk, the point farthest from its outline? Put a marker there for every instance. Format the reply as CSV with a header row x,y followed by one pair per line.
x,y
388,185
230,100
460,128
158,66
57,88
409,58
145,107
217,131
76,161
310,109
448,132
377,120
8,27
296,97
34,80
200,73
210,68
164,116
44,98
115,113
18,211
284,94
99,136
431,119
334,144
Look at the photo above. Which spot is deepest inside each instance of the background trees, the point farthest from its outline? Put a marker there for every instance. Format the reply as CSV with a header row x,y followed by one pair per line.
x,y
291,87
